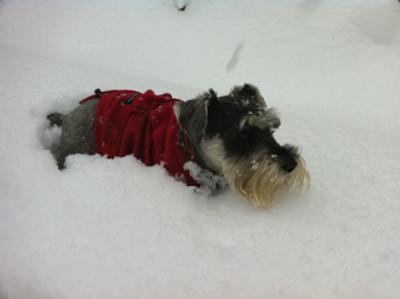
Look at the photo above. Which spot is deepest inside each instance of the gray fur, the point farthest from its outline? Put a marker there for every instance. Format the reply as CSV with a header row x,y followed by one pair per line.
x,y
265,119
76,133
248,91
192,117
55,119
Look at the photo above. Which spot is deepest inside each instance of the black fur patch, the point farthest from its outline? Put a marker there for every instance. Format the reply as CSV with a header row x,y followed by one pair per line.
x,y
225,119
55,119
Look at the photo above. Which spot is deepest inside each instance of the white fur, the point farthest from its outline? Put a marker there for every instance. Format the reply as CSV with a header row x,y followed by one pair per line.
x,y
214,152
177,110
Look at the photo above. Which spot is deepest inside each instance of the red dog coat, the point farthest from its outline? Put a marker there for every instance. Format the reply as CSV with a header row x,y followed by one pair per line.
x,y
143,124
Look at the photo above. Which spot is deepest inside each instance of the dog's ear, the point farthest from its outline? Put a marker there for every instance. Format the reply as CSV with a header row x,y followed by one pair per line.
x,y
193,114
262,120
248,91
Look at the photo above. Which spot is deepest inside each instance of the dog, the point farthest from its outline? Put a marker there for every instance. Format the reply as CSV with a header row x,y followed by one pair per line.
x,y
204,142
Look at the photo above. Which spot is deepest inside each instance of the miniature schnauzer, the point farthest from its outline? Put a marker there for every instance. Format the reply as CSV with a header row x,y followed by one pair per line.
x,y
199,141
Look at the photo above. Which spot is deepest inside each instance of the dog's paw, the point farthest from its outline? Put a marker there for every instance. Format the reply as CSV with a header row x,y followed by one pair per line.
x,y
208,181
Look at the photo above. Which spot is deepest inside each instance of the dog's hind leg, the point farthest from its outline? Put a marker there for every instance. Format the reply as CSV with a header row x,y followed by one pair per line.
x,y
77,134
59,155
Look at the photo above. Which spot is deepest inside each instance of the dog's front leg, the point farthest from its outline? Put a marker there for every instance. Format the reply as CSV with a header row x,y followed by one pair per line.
x,y
209,181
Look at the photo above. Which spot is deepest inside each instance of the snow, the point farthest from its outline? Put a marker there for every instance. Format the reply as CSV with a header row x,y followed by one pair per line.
x,y
182,4
116,229
208,180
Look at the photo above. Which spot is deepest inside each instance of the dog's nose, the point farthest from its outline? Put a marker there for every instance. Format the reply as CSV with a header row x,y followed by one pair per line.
x,y
288,165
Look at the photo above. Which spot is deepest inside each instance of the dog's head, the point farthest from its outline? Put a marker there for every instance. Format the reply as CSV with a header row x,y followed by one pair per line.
x,y
235,134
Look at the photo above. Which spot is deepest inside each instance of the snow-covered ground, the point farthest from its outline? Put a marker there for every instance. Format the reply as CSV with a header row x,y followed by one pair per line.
x,y
116,229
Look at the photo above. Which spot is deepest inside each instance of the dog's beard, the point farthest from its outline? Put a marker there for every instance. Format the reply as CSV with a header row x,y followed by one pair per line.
x,y
260,179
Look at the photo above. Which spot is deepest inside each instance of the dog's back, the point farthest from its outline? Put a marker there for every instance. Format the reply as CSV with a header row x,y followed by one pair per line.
x,y
117,123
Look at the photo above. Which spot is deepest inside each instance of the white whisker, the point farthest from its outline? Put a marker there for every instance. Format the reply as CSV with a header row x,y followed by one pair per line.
x,y
260,185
